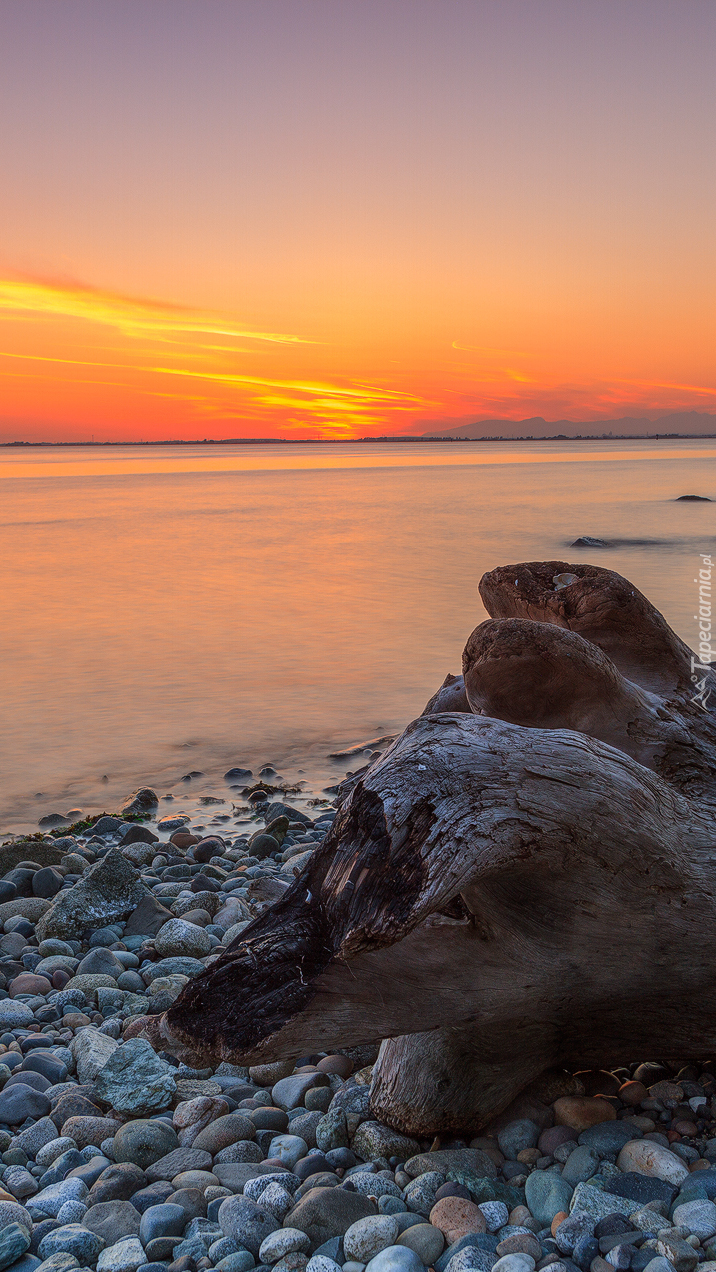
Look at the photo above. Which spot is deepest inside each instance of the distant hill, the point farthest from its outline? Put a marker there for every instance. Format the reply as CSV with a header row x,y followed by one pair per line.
x,y
536,426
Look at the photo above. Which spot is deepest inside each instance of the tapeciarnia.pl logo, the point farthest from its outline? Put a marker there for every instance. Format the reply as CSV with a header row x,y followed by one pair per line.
x,y
703,618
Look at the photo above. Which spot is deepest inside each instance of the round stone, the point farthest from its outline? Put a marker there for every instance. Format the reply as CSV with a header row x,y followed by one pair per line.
x,y
113,1220
397,1258
456,1217
520,1243
72,1238
321,1263
177,937
551,1139
248,1223
14,1015
289,1092
49,1152
29,983
165,1220
221,1131
30,1079
19,1101
699,1216
338,1064
13,1212
50,1066
546,1195
367,1237
646,1158
581,1164
514,1263
143,1141
242,1261
124,1256
373,1140
632,1094
282,1242
581,1112
288,1149
47,882
427,1242
517,1136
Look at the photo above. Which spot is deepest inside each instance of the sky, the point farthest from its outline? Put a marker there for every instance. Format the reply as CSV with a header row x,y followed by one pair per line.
x,y
346,218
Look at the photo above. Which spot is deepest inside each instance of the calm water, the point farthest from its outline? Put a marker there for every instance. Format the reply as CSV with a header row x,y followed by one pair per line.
x,y
169,609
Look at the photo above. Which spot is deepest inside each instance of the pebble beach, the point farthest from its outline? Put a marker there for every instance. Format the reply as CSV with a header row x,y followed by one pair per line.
x,y
114,1157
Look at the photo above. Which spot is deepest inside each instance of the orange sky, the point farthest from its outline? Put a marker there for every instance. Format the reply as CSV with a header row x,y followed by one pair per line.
x,y
341,217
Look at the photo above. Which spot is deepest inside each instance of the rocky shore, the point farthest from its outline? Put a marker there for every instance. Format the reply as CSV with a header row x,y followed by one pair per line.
x,y
115,1158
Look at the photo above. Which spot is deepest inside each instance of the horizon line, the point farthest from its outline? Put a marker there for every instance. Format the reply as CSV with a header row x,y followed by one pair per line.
x,y
384,437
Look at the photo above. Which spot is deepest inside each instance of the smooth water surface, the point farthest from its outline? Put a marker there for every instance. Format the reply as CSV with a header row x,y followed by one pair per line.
x,y
177,608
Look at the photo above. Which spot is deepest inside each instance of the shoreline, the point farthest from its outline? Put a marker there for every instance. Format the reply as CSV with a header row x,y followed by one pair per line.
x,y
206,798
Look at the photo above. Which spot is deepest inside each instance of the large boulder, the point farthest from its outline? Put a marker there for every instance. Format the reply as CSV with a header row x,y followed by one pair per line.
x,y
110,890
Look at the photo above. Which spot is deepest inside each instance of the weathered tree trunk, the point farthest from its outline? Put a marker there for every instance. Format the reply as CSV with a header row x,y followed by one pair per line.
x,y
526,886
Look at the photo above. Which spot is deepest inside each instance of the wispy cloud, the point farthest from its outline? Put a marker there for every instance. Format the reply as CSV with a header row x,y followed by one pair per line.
x,y
361,393
131,316
706,389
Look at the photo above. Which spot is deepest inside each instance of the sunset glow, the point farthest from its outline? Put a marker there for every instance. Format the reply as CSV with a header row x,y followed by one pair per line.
x,y
336,220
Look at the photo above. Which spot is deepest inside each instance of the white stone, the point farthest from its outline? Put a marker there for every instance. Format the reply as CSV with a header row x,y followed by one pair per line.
x,y
646,1158
281,1242
124,1256
496,1214
367,1237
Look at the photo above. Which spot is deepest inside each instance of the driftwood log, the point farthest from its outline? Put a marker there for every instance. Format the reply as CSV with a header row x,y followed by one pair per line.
x,y
524,879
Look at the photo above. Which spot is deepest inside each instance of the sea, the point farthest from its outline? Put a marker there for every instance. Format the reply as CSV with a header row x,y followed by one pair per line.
x,y
173,610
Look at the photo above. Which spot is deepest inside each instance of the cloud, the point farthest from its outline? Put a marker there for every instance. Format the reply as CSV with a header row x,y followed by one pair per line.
x,y
359,393
131,316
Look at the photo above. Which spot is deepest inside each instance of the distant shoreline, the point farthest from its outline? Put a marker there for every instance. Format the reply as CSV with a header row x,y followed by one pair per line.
x,y
352,441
